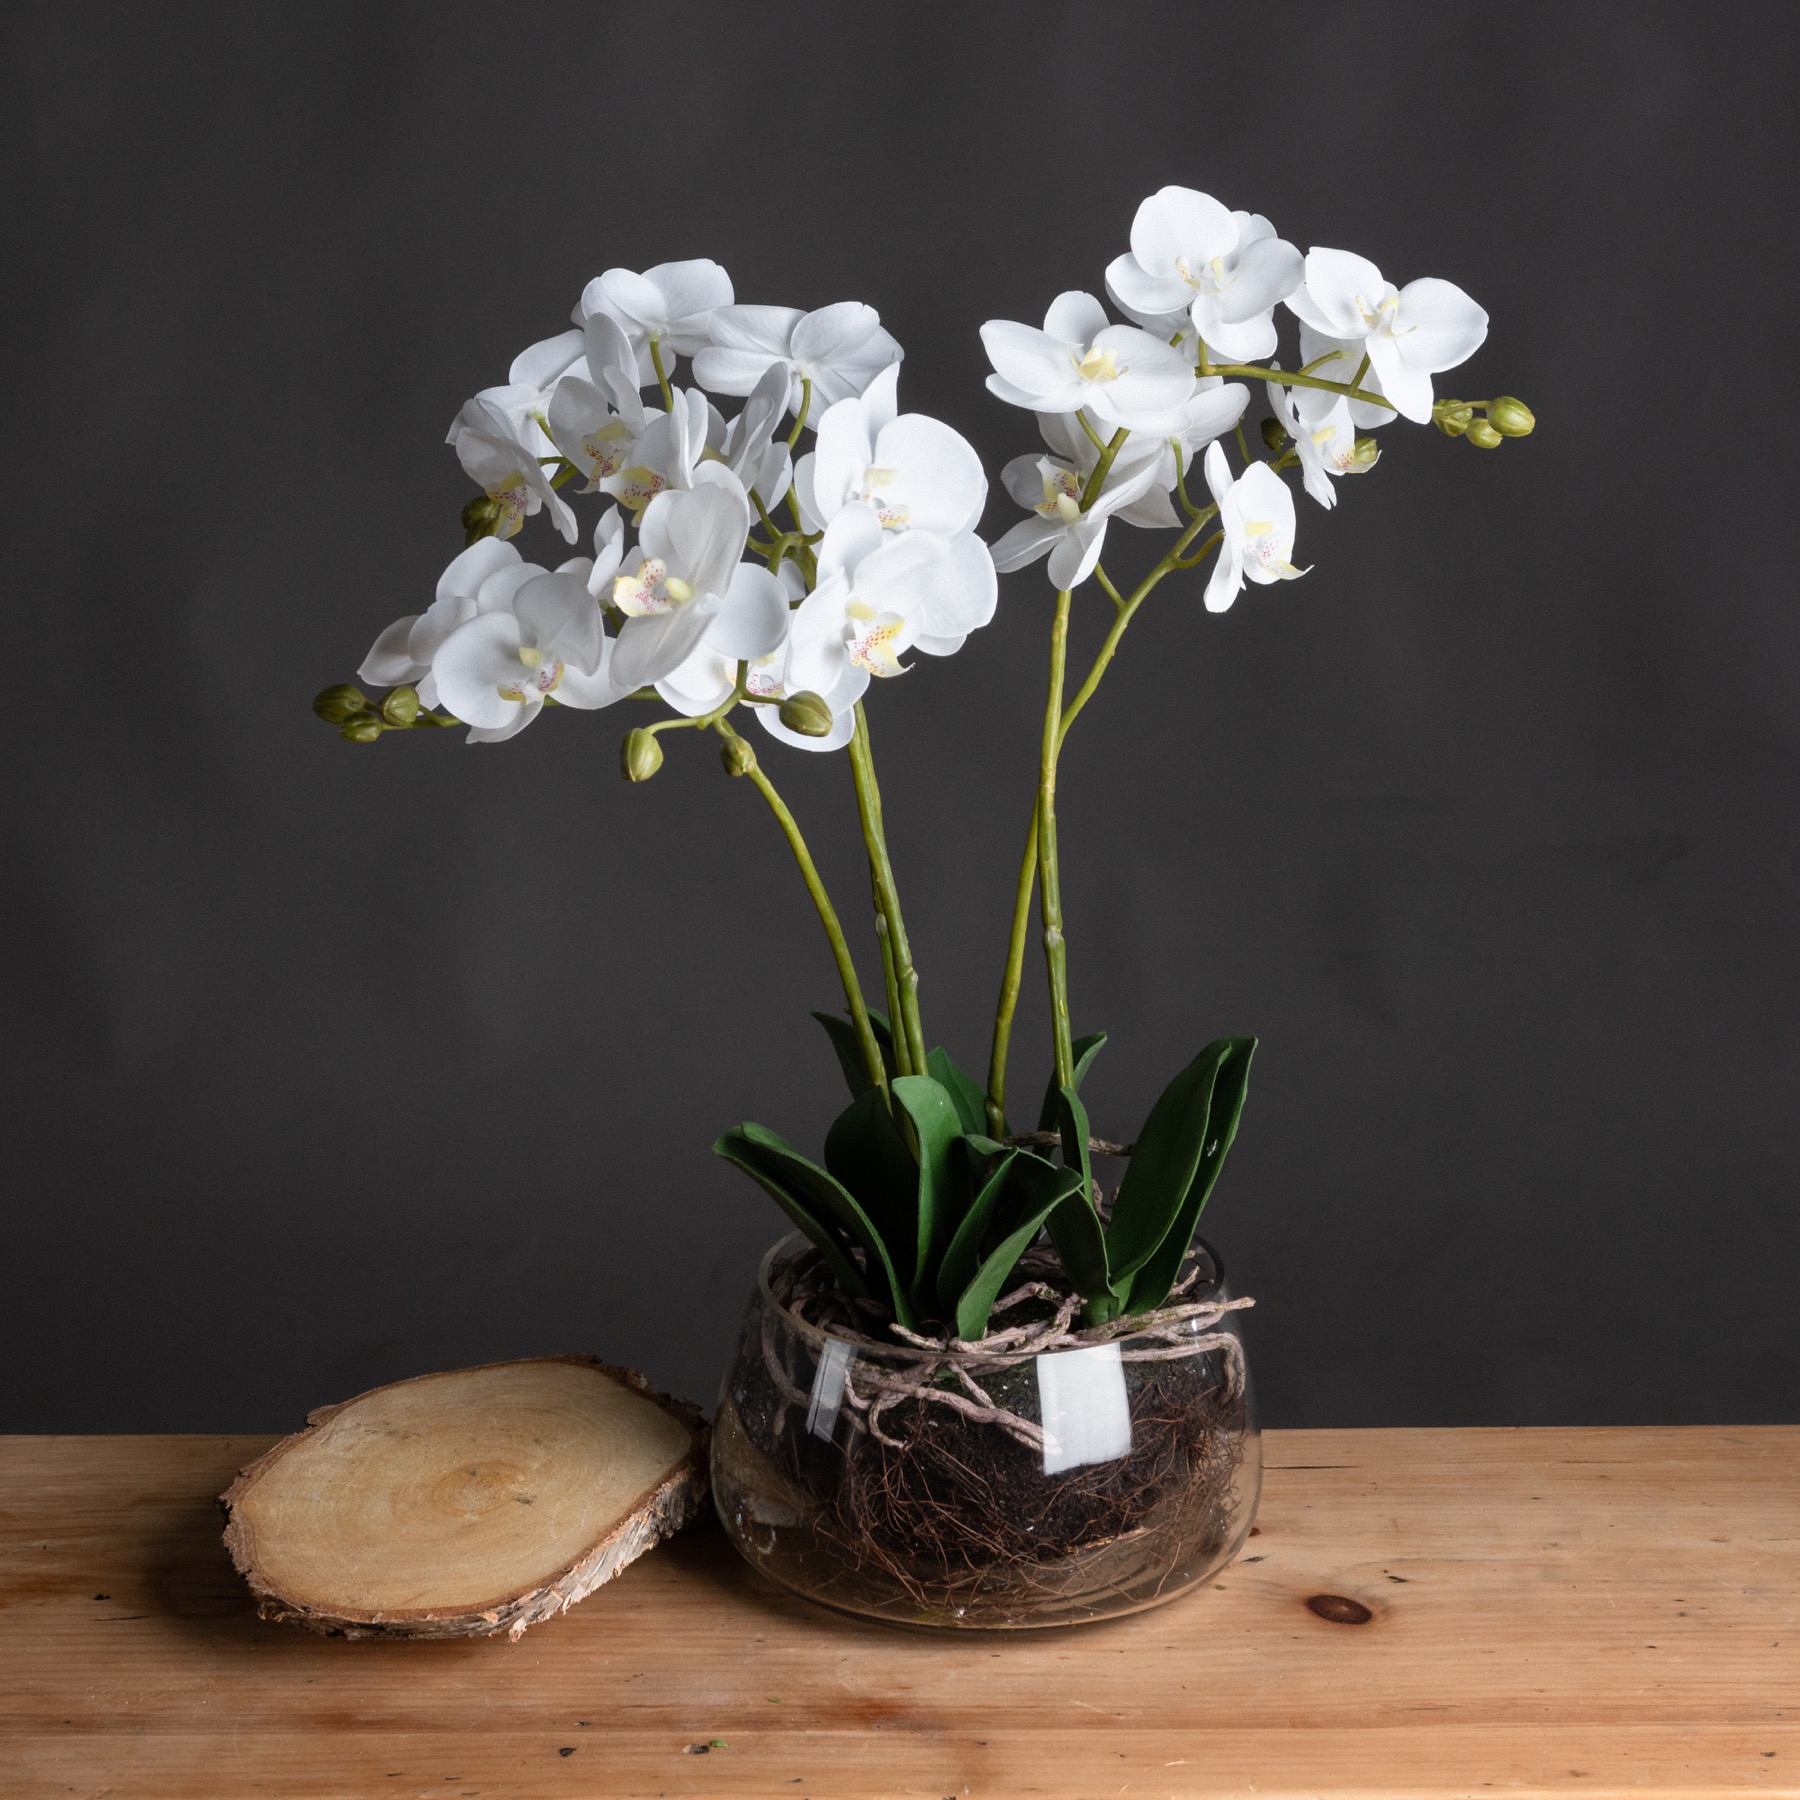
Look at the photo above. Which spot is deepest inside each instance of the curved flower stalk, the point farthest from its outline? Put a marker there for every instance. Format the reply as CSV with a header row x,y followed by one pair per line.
x,y
734,570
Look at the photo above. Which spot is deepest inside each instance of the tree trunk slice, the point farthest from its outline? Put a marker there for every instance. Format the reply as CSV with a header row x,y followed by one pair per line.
x,y
465,1504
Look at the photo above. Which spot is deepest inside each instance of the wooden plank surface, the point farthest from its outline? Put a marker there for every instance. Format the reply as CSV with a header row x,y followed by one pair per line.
x,y
1601,1613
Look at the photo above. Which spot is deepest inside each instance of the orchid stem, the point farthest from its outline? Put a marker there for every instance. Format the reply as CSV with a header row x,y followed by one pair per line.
x,y
1013,978
840,949
909,1033
1056,953
662,378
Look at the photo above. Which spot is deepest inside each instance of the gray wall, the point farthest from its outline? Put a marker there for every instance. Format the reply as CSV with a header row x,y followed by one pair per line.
x,y
330,1064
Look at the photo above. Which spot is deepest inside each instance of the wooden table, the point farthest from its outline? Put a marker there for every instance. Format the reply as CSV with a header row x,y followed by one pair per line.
x,y
1553,1612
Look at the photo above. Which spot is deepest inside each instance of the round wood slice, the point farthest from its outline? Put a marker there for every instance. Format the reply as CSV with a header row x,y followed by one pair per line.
x,y
465,1504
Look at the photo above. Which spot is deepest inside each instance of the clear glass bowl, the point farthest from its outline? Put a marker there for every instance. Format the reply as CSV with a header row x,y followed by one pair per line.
x,y
970,1489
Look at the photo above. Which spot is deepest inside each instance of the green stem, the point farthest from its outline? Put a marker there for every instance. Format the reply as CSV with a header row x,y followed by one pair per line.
x,y
840,949
1012,980
662,379
1097,479
800,419
1284,378
908,1030
1056,955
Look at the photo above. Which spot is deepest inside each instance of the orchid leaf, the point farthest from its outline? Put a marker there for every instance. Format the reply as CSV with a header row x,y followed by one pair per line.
x,y
1165,1161
963,1089
848,1046
963,1256
1072,1127
936,1129
1150,1287
1048,1188
866,1151
1086,1049
817,1204
1081,1245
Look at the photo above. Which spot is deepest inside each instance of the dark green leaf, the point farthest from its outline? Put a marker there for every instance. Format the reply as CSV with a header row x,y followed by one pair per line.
x,y
1150,1287
867,1152
1072,1127
1081,1246
1163,1163
802,1192
1086,1049
936,1129
963,1256
1048,1189
848,1046
970,1099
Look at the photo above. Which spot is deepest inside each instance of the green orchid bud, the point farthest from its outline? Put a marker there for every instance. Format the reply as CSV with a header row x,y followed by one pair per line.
x,y
336,704
1483,436
1364,455
1452,417
480,518
401,707
1510,417
737,756
806,713
1274,433
640,755
363,730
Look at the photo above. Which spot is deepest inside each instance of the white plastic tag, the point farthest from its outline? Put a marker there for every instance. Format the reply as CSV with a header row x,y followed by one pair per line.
x,y
1087,1418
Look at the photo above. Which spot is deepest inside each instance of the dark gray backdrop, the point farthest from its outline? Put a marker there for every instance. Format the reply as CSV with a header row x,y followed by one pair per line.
x,y
330,1064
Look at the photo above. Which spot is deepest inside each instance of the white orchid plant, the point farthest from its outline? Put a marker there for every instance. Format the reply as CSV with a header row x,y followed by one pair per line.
x,y
773,565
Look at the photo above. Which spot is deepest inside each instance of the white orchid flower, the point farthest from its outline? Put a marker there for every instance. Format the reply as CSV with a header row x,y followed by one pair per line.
x,y
879,595
670,306
496,671
1408,334
1256,518
507,470
1050,487
752,452
1120,374
531,383
596,423
914,471
684,585
840,349
1325,441
402,654
1225,270
668,451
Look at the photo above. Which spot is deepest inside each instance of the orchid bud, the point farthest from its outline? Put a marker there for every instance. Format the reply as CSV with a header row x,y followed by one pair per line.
x,y
480,518
336,704
1483,436
1274,433
1510,417
1452,417
401,707
737,756
363,730
806,713
1364,455
640,756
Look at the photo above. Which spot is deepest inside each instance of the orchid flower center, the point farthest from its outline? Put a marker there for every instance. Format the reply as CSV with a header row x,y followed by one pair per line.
x,y
1342,455
761,679
513,496
638,487
544,676
607,448
1062,493
1380,319
870,644
893,515
1261,543
650,589
1098,365
1211,278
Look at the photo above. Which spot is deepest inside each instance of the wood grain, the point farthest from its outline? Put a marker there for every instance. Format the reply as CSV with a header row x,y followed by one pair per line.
x,y
1606,1613
466,1503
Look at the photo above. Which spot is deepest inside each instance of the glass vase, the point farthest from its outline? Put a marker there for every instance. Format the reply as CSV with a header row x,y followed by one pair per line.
x,y
1046,1476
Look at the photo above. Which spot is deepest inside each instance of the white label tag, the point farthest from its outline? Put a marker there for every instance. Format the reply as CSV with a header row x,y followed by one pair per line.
x,y
1087,1418
828,1388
